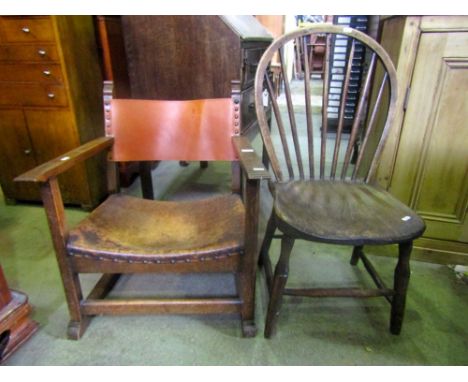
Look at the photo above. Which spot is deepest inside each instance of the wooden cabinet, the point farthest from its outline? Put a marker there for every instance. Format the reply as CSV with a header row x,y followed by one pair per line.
x,y
425,163
16,325
50,102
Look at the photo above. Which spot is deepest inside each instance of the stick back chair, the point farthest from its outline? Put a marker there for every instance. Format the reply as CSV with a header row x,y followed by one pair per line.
x,y
126,234
319,193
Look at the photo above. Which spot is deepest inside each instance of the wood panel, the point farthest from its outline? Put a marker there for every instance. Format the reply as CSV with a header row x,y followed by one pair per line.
x,y
179,57
432,158
400,38
46,129
16,154
425,161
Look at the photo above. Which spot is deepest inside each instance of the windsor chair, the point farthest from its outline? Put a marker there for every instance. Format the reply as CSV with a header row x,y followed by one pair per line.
x,y
327,197
130,235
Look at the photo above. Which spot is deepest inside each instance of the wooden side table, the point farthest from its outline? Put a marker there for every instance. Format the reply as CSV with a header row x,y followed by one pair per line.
x,y
15,324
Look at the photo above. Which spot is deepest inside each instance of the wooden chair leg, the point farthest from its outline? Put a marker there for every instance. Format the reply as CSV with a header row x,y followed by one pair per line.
x,y
401,280
248,271
146,180
264,258
52,199
356,254
279,281
78,322
246,287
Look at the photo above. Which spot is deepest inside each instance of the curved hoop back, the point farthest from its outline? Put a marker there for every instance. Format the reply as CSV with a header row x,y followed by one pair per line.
x,y
349,116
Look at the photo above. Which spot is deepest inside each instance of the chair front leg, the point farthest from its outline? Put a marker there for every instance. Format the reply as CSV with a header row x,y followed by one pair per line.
x,y
264,257
401,281
248,272
279,281
53,204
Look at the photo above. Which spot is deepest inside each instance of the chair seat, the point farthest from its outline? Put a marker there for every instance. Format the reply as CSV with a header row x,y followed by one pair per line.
x,y
343,213
126,228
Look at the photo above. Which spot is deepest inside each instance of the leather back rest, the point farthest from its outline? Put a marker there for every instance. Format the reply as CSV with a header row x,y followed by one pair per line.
x,y
152,130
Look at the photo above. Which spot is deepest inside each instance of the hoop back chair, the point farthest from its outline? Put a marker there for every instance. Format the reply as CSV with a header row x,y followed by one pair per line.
x,y
127,234
319,193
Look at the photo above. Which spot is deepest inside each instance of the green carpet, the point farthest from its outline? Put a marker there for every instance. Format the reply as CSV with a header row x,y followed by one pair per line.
x,y
331,331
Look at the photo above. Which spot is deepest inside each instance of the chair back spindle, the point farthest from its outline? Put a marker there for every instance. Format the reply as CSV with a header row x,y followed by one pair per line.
x,y
302,127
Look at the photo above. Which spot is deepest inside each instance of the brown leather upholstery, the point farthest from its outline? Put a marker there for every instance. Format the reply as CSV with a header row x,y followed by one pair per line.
x,y
134,229
147,130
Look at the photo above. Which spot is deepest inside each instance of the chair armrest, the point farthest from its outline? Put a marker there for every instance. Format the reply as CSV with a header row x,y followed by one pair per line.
x,y
249,160
58,165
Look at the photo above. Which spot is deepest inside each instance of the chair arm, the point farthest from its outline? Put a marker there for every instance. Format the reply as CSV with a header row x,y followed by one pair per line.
x,y
58,165
249,160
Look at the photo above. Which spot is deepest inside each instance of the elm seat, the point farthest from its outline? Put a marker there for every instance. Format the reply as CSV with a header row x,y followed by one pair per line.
x,y
344,213
160,231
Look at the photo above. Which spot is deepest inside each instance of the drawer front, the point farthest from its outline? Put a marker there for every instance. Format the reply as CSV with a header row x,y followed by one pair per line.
x,y
26,29
35,52
15,94
251,58
248,113
42,73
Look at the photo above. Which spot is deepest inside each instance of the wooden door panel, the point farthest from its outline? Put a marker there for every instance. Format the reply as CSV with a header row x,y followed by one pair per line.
x,y
432,164
16,155
53,134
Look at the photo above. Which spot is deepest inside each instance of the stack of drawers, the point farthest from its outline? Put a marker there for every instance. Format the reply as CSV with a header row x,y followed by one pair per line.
x,y
340,49
50,102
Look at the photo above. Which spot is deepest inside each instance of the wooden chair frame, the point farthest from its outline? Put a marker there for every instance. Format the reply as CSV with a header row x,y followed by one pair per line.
x,y
248,171
359,179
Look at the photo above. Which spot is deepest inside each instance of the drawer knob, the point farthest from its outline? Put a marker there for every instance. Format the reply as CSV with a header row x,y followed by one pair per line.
x,y
25,29
46,73
41,52
28,151
51,95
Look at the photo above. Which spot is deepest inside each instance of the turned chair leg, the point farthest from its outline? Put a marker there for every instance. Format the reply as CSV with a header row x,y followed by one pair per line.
x,y
268,238
356,254
264,258
279,281
401,280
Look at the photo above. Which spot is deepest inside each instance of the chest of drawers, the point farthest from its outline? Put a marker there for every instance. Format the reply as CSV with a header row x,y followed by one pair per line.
x,y
50,102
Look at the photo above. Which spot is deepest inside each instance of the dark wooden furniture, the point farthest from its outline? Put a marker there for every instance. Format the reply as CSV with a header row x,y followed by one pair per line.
x,y
16,326
182,58
50,97
132,235
328,199
425,166
185,57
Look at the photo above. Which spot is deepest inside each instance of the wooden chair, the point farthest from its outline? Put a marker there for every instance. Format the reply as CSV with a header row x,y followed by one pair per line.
x,y
126,234
330,199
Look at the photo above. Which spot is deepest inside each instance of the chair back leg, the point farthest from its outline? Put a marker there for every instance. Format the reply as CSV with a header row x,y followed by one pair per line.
x,y
356,254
